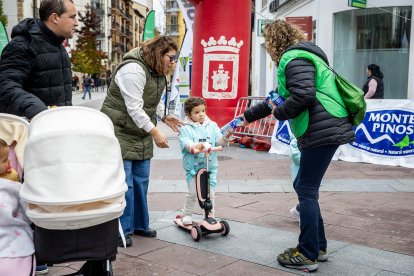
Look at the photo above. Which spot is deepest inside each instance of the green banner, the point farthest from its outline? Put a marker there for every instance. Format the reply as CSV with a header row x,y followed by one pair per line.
x,y
149,27
4,39
357,3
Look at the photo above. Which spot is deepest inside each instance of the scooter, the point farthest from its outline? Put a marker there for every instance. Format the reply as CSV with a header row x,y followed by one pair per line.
x,y
209,224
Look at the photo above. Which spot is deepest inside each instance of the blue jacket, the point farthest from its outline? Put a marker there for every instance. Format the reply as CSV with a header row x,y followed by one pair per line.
x,y
195,133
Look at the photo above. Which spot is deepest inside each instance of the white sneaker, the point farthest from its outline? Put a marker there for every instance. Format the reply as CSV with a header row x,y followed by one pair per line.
x,y
187,220
295,213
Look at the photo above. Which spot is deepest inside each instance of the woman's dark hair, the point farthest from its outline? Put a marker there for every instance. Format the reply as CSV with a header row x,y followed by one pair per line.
x,y
192,102
47,7
153,52
375,71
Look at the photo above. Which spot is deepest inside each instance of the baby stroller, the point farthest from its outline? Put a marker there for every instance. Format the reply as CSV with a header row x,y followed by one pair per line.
x,y
74,186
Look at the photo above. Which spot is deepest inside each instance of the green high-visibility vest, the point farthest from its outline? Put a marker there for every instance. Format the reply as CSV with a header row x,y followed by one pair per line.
x,y
326,91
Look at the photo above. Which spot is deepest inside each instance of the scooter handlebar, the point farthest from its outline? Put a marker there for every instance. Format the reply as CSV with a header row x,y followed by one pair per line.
x,y
196,151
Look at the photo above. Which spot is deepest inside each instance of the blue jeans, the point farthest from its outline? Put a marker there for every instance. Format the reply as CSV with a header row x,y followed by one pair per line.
x,y
135,216
87,89
313,164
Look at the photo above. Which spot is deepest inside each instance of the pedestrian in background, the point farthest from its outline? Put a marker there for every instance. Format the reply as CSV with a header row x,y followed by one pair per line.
x,y
87,85
318,121
294,154
374,86
35,69
132,103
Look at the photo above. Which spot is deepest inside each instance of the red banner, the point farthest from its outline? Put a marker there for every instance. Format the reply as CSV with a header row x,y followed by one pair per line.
x,y
221,53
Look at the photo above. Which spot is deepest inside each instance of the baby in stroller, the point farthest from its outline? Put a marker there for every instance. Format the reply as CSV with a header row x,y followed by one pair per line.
x,y
74,184
16,235
6,170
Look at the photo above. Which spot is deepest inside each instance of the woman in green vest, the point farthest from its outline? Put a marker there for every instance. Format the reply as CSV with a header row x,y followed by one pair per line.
x,y
132,103
313,107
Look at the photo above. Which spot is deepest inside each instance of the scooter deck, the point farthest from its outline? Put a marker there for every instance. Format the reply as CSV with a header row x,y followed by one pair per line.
x,y
185,227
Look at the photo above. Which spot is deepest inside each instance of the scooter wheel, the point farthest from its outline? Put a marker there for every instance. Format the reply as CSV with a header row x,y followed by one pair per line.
x,y
226,227
196,233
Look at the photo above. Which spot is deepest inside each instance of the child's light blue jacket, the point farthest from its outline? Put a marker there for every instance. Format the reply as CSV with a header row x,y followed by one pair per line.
x,y
195,133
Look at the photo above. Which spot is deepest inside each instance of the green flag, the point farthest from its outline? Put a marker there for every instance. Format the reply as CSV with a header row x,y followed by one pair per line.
x,y
4,39
149,27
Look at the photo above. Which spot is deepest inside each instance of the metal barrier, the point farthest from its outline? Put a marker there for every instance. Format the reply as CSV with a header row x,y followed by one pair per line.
x,y
263,128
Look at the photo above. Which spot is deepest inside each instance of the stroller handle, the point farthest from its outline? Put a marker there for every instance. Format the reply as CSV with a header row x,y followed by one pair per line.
x,y
196,151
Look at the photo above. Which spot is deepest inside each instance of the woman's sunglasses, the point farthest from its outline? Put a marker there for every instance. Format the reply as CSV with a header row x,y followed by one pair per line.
x,y
174,58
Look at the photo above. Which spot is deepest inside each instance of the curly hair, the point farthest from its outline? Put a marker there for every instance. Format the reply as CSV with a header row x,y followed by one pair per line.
x,y
153,52
192,102
279,35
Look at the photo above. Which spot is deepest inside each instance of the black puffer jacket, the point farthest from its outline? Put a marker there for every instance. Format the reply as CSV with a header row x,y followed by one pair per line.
x,y
323,128
35,71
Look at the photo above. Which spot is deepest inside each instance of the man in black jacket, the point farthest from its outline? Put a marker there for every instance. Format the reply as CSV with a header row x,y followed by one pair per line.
x,y
35,69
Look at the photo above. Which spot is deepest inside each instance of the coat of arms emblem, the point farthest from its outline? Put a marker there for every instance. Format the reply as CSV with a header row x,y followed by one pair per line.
x,y
221,68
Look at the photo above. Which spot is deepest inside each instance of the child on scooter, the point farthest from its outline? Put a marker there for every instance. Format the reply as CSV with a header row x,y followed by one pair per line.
x,y
198,131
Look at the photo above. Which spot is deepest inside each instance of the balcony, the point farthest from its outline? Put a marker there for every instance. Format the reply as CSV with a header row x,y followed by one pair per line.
x,y
172,6
119,47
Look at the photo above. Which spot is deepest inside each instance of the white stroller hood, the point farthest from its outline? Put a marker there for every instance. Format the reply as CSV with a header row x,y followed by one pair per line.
x,y
74,176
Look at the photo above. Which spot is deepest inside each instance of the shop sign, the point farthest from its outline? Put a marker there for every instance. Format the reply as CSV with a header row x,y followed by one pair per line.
x,y
357,3
261,23
304,23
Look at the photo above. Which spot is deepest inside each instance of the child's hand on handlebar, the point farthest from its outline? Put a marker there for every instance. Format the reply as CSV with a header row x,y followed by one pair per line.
x,y
206,147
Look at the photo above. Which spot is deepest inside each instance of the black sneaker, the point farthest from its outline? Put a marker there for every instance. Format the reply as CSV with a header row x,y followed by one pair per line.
x,y
150,233
128,241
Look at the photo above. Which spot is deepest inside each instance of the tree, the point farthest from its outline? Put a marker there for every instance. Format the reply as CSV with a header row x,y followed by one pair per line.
x,y
3,17
87,58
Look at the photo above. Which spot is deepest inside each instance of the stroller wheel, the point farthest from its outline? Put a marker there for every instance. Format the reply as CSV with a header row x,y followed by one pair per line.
x,y
196,233
226,227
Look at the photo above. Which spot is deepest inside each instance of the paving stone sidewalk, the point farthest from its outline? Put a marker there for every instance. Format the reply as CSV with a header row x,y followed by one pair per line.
x,y
368,212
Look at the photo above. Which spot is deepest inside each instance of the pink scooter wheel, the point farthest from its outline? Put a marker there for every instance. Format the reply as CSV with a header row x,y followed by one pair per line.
x,y
226,227
196,233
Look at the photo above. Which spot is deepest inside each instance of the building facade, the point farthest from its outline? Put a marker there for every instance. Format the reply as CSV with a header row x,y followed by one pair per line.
x,y
351,37
121,30
175,27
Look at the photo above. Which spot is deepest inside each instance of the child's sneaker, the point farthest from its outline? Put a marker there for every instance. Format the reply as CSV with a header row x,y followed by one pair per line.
x,y
187,220
295,213
292,258
41,269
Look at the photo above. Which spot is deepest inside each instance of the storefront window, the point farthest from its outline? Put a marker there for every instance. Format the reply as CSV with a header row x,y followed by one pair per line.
x,y
375,35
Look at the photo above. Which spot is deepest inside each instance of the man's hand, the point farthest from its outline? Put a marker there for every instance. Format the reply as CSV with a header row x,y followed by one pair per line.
x,y
173,122
159,138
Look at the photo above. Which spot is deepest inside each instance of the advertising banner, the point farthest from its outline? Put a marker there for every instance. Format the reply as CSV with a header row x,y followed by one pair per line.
x,y
181,83
149,26
386,136
4,39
